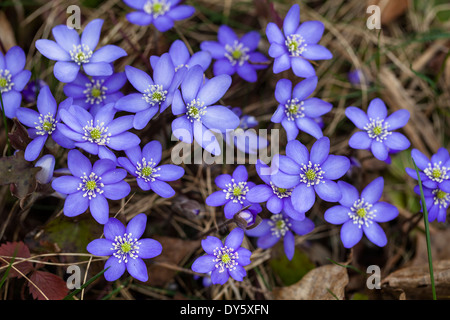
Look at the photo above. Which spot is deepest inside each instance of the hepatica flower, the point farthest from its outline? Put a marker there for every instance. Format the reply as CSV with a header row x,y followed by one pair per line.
x,y
234,54
435,172
13,79
154,94
295,111
233,193
98,134
47,165
72,52
92,93
360,214
198,114
143,164
43,123
125,248
309,173
277,199
90,186
378,128
437,202
161,13
224,259
280,227
297,44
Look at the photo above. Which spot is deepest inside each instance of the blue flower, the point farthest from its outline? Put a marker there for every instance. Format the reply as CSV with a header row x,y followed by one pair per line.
x,y
377,128
43,123
280,226
181,58
154,94
437,202
143,164
233,193
13,79
161,13
435,172
297,44
92,93
98,134
32,89
71,53
295,111
90,186
224,259
195,105
47,165
307,174
277,199
244,137
360,214
236,55
125,248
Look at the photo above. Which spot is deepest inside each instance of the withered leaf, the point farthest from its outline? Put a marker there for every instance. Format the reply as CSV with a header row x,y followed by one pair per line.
x,y
19,138
50,284
17,250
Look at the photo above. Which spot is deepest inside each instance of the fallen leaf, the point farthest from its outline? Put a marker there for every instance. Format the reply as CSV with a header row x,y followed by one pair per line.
x,y
7,37
17,250
390,9
19,137
327,282
50,284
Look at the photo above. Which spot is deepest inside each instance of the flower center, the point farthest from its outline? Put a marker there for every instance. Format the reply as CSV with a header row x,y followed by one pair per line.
x,y
377,129
361,213
125,247
155,94
280,192
97,134
146,170
294,109
156,8
279,225
295,44
46,125
195,110
225,258
91,185
312,174
6,83
236,191
437,173
95,91
441,198
237,53
80,54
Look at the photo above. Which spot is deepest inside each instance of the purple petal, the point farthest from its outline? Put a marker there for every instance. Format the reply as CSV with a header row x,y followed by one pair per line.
x,y
274,204
163,23
337,215
91,33
132,103
335,167
210,244
115,269
320,150
303,197
34,148
67,38
283,91
284,180
298,152
27,116
311,31
247,72
98,69
117,191
240,173
259,193
204,264
123,141
349,194
162,188
267,241
302,68
276,50
164,71
149,248
384,212
78,164
351,234
75,204
302,227
379,150
190,88
420,159
170,172
377,109
328,191
305,88
373,191
315,107
357,116
231,208
108,53
182,129
317,52
250,40
216,50
274,34
139,18
100,247
216,199
220,118
292,20
397,141
360,140
222,180
181,12
65,71
66,184
375,234
137,225
237,273
234,238
289,245
281,63
137,269
309,126
398,119
214,89
113,228
226,35
138,78
99,209
51,50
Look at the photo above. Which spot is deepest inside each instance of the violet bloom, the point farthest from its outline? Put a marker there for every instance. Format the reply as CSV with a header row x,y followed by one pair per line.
x,y
244,137
154,94
125,248
181,58
295,111
98,135
143,164
234,192
361,214
161,13
90,186
13,79
297,44
280,226
47,165
309,173
92,93
43,123
437,202
435,172
199,115
71,53
377,128
224,259
236,55
277,199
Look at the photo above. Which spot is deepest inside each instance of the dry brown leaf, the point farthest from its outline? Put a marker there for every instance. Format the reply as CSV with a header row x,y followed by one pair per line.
x,y
415,281
440,250
390,9
7,37
319,284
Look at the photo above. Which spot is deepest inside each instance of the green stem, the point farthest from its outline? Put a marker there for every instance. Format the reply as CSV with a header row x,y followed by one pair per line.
x,y
5,124
427,232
